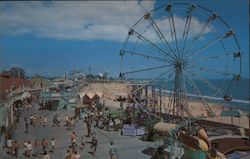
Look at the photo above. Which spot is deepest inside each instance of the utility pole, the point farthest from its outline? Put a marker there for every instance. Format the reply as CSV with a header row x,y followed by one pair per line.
x,y
1,142
89,69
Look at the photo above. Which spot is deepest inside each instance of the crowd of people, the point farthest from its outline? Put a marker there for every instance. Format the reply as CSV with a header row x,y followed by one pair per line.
x,y
36,120
44,148
91,138
37,148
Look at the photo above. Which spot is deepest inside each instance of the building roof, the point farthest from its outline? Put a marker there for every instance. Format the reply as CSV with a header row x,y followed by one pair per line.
x,y
90,94
6,82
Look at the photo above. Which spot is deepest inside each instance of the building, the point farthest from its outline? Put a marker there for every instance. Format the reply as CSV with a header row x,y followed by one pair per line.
x,y
15,92
16,72
9,83
43,82
57,100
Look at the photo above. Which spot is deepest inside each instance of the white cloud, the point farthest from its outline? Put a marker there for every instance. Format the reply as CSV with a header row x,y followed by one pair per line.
x,y
86,20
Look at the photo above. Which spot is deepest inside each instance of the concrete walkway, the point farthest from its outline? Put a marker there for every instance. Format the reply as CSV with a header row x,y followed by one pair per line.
x,y
127,147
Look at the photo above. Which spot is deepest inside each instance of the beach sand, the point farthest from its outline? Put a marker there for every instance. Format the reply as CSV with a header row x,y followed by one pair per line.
x,y
111,89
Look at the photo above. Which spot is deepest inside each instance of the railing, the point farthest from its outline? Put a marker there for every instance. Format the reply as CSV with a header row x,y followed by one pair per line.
x,y
29,89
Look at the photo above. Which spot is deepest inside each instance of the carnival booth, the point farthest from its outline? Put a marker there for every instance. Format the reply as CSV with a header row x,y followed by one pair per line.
x,y
90,98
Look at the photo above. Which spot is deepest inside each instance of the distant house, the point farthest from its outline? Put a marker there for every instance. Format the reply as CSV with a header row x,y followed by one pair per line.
x,y
11,89
90,76
57,100
10,83
40,80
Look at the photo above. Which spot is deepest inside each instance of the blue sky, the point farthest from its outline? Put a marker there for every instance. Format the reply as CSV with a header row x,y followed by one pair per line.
x,y
56,37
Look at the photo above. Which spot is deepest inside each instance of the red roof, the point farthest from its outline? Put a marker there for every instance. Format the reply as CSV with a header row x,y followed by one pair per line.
x,y
6,82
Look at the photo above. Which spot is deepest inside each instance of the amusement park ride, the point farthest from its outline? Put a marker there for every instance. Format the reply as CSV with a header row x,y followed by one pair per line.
x,y
183,44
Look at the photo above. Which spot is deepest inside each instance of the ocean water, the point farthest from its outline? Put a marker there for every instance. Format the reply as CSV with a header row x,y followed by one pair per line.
x,y
238,90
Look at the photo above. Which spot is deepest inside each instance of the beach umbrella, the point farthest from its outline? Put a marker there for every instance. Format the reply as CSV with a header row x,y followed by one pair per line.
x,y
202,134
203,145
164,127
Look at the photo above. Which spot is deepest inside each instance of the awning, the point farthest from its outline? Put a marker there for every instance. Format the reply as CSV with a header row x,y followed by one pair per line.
x,y
164,127
25,95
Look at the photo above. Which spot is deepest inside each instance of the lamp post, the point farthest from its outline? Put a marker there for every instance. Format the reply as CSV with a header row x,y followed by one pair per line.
x,y
1,134
1,147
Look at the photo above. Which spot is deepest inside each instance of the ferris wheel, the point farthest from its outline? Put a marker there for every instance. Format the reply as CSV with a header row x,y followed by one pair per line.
x,y
189,46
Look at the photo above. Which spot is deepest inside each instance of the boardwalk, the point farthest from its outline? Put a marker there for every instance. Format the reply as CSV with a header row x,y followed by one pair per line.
x,y
127,147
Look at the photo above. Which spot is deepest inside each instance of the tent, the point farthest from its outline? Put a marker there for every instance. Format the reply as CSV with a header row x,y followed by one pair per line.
x,y
90,94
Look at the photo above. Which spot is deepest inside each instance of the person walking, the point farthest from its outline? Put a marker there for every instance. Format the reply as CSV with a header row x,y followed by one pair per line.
x,y
76,155
46,155
45,121
73,140
53,144
44,144
68,154
15,148
36,147
112,151
25,144
66,120
82,143
9,146
88,128
29,149
26,127
94,145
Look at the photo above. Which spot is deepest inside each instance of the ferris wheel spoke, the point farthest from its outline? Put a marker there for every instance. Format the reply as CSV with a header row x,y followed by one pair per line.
x,y
210,19
186,28
209,85
170,12
146,69
125,42
145,55
138,21
209,44
225,73
164,53
170,99
161,75
220,72
138,38
199,94
209,58
217,92
170,27
234,55
160,34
